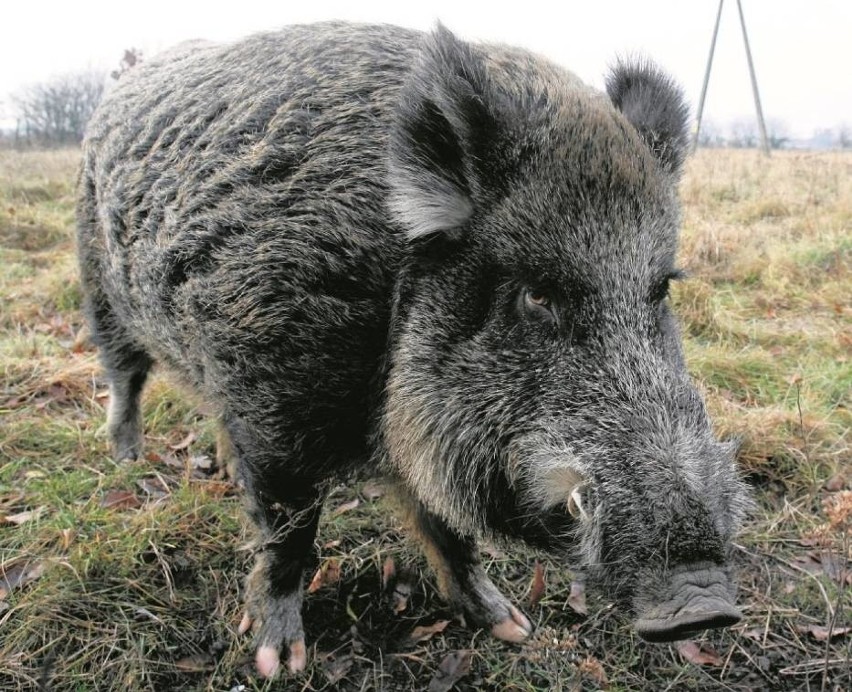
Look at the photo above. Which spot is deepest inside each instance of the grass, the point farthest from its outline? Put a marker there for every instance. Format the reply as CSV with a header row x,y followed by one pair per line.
x,y
130,576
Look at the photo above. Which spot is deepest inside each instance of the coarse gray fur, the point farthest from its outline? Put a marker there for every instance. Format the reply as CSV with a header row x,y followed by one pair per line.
x,y
372,248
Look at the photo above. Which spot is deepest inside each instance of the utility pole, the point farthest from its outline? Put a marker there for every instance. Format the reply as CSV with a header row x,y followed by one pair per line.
x,y
761,124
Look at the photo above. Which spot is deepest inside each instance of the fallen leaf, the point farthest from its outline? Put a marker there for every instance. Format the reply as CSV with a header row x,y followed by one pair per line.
x,y
22,517
217,488
836,482
328,573
184,443
537,586
372,490
833,566
12,499
577,598
66,538
345,507
120,499
700,655
822,634
335,669
454,666
592,667
17,573
154,486
423,633
197,663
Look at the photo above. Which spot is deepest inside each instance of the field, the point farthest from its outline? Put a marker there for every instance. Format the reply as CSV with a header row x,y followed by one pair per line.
x,y
129,577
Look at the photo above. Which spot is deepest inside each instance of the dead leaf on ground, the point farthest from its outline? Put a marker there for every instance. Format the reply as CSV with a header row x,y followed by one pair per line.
x,y
66,538
336,668
372,490
17,573
184,443
838,481
154,486
822,634
346,507
537,587
11,499
423,633
22,517
328,573
216,488
56,393
120,499
592,667
197,663
453,668
577,598
699,654
831,565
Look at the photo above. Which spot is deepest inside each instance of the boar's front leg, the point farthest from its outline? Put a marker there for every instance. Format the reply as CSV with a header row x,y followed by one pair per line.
x,y
285,507
461,576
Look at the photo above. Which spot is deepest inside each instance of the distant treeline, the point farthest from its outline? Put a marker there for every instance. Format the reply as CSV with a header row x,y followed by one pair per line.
x,y
54,113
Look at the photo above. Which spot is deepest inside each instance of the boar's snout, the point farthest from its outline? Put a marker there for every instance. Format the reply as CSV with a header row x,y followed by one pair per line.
x,y
699,598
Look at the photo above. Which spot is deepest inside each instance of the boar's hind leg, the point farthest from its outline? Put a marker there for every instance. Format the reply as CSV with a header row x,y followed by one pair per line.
x,y
285,509
461,576
126,366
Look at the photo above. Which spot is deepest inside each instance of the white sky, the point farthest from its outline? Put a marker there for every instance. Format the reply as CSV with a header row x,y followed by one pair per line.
x,y
802,49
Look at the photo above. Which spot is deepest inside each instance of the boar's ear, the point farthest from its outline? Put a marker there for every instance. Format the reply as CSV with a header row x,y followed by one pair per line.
x,y
656,107
444,124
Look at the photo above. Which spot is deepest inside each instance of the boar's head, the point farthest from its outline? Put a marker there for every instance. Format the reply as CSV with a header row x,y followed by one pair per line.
x,y
537,384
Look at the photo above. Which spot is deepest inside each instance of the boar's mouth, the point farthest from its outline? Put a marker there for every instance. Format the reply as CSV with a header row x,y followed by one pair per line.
x,y
700,600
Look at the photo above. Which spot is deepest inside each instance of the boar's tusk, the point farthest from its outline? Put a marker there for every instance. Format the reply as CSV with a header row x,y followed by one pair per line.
x,y
575,505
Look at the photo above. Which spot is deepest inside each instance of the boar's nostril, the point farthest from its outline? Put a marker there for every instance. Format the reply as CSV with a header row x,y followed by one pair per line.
x,y
699,613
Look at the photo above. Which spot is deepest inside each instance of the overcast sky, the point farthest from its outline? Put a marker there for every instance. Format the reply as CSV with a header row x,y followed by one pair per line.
x,y
802,49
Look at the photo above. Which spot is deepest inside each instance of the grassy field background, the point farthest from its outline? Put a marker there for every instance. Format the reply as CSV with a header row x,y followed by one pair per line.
x,y
129,576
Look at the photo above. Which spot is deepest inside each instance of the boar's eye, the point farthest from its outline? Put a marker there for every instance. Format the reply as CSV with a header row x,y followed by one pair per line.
x,y
539,304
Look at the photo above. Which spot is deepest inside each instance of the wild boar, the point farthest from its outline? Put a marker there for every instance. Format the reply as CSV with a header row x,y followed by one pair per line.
x,y
371,248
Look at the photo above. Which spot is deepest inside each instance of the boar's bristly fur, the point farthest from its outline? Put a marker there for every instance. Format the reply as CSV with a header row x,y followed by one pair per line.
x,y
370,248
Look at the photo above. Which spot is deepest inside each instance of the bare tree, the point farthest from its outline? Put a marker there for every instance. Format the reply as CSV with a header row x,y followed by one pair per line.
x,y
711,135
55,112
743,134
779,134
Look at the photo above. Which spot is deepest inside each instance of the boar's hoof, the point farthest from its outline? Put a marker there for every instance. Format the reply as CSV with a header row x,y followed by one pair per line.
x,y
267,661
515,628
700,613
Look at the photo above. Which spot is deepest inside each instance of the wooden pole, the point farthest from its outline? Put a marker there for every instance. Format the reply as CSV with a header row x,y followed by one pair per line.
x,y
763,138
706,77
